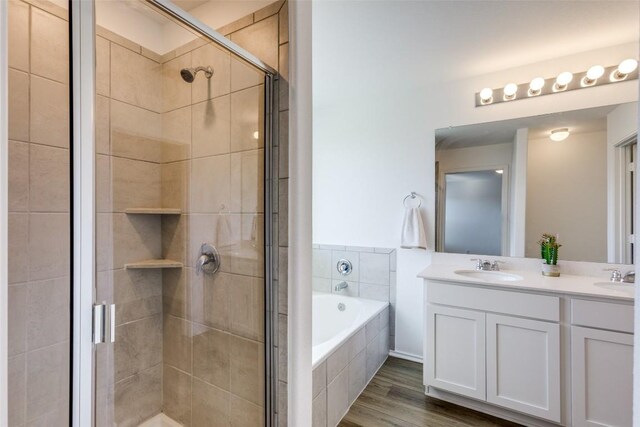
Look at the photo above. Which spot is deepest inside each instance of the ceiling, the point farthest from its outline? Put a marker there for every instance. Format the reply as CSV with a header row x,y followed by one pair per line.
x,y
503,132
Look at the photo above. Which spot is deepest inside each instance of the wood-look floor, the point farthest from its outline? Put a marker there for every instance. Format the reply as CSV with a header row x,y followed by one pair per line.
x,y
395,397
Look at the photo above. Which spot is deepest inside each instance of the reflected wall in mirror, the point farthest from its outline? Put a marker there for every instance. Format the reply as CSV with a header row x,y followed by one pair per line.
x,y
501,185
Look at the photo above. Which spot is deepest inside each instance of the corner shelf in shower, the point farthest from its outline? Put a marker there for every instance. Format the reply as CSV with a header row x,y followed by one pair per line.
x,y
153,263
153,211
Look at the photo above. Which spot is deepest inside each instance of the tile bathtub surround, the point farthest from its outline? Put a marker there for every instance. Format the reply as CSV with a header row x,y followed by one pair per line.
x,y
39,206
373,275
339,380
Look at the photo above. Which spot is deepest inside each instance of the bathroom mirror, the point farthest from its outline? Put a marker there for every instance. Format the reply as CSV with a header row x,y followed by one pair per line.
x,y
501,185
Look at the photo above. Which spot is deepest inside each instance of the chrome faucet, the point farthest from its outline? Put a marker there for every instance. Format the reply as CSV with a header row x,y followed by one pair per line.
x,y
486,265
616,276
340,286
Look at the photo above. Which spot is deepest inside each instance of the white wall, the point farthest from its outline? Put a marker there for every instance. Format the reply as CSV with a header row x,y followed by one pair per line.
x,y
374,128
621,124
576,166
517,193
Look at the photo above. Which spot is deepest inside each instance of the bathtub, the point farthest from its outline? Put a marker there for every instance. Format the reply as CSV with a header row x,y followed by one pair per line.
x,y
332,326
350,343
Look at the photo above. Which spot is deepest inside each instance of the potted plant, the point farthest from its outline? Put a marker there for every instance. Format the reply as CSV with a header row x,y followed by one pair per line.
x,y
549,251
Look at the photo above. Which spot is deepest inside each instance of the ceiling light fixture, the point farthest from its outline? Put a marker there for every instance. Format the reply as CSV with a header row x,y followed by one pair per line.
x,y
535,87
510,91
625,68
562,81
559,134
486,95
566,81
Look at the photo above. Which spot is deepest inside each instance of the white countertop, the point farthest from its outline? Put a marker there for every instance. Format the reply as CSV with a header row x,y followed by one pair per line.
x,y
532,280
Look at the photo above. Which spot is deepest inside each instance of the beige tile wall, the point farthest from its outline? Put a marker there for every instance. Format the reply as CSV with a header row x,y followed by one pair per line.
x,y
266,35
39,206
214,326
130,147
191,346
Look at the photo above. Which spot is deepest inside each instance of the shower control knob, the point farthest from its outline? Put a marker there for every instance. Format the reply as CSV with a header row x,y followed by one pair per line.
x,y
209,260
344,267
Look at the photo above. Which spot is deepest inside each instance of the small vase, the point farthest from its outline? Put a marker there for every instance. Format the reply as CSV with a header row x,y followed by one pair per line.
x,y
550,270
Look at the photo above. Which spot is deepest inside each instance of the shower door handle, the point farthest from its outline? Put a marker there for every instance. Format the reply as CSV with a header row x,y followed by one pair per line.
x,y
209,260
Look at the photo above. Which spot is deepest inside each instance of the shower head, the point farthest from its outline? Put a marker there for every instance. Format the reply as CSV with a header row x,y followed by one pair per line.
x,y
189,74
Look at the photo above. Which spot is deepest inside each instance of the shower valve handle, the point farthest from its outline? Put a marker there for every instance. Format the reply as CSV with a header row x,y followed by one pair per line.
x,y
209,260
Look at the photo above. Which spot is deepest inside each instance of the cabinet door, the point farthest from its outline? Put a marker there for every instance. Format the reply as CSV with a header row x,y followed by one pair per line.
x,y
456,351
523,365
602,377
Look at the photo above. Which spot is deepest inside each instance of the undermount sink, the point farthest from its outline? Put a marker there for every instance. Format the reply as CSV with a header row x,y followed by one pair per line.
x,y
490,276
625,288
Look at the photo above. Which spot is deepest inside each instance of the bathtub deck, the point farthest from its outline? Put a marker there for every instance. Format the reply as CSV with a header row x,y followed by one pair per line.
x,y
395,397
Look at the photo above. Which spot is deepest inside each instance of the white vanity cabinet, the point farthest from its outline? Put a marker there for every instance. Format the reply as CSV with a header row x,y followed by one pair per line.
x,y
601,364
540,358
480,348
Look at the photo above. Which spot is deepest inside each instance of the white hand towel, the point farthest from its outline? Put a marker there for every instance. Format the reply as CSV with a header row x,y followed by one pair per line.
x,y
413,236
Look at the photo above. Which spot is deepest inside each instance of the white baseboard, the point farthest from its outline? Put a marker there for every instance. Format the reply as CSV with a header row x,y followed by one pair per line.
x,y
406,356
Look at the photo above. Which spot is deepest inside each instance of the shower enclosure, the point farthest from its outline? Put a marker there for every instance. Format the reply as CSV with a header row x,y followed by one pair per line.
x,y
156,309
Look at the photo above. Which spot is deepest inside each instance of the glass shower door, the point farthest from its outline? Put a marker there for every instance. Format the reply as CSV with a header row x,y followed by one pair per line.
x,y
180,249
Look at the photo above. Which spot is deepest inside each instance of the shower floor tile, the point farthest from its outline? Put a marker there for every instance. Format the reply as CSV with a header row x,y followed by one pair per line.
x,y
160,420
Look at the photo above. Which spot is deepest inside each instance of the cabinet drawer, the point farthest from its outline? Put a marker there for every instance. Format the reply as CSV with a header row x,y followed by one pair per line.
x,y
602,315
516,303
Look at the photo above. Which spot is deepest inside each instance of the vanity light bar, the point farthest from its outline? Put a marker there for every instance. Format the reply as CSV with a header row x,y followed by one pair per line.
x,y
564,82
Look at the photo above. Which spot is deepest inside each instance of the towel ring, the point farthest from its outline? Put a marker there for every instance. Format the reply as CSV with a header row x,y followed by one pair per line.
x,y
412,196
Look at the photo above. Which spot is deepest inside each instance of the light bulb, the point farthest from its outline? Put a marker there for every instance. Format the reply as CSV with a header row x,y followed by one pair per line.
x,y
486,94
624,69
595,72
564,79
256,135
510,90
559,134
627,66
535,86
592,76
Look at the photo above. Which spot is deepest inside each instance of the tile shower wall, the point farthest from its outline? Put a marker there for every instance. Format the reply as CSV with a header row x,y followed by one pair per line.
x,y
214,359
130,150
266,35
39,215
214,325
373,275
159,140
141,149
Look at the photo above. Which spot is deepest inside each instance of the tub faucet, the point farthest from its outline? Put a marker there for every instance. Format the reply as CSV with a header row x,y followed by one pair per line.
x,y
340,286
